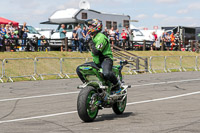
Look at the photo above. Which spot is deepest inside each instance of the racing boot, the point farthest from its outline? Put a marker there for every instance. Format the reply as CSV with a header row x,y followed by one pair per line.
x,y
116,89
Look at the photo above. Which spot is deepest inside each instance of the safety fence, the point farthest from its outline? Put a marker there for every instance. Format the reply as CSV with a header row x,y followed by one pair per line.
x,y
37,68
157,63
71,63
18,68
174,63
1,70
46,66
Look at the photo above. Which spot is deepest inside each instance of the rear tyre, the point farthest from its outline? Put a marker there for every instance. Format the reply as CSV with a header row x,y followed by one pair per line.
x,y
119,107
86,104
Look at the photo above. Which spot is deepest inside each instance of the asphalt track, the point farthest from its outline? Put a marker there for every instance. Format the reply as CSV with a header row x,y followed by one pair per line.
x,y
157,103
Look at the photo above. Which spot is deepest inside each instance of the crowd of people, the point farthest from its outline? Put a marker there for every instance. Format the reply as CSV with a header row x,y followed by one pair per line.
x,y
118,39
9,32
80,37
169,40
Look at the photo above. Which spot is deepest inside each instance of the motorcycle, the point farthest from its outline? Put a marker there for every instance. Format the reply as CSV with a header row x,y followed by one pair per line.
x,y
97,92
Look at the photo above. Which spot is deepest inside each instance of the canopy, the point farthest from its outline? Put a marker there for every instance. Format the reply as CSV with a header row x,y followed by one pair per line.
x,y
6,21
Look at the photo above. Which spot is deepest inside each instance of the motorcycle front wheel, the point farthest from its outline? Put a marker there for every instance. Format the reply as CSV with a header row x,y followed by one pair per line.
x,y
86,104
119,106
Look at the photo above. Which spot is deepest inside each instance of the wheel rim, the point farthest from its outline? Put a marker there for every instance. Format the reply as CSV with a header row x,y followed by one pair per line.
x,y
122,105
91,112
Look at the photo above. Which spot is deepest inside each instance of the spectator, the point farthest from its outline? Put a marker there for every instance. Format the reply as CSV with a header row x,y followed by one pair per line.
x,y
84,33
117,37
156,40
1,40
168,41
8,32
80,38
3,30
74,39
43,40
43,43
112,36
105,32
163,38
128,32
15,33
152,37
124,38
62,34
11,28
172,40
24,34
62,31
177,38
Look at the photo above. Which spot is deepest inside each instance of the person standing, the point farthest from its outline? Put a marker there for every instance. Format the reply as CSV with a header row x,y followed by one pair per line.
x,y
62,34
177,38
62,31
117,37
128,32
124,37
24,34
11,28
74,39
172,40
84,33
152,37
112,36
156,40
80,38
168,41
3,30
105,32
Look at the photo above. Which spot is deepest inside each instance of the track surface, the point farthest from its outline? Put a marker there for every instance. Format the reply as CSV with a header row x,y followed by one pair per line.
x,y
157,103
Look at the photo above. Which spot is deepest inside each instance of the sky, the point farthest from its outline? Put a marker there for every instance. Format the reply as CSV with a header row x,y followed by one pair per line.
x,y
150,13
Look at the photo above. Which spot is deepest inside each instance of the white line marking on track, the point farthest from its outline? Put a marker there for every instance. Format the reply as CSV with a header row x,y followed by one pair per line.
x,y
167,82
38,117
67,93
31,97
165,98
72,112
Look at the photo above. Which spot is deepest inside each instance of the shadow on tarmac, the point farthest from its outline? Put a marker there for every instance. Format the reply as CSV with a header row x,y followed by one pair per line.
x,y
113,116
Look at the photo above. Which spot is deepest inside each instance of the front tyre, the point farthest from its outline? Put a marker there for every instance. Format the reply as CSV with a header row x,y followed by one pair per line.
x,y
86,104
119,106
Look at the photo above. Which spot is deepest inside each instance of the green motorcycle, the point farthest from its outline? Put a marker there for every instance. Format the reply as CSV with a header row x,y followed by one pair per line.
x,y
96,93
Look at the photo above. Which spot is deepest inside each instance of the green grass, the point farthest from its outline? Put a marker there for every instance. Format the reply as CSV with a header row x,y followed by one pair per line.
x,y
26,67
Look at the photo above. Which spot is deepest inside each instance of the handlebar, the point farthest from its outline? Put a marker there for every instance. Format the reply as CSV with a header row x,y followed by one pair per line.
x,y
124,62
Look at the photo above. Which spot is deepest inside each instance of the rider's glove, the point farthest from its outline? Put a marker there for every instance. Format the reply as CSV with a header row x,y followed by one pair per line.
x,y
95,51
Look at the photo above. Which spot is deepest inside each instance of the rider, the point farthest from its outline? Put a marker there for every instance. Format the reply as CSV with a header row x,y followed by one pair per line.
x,y
101,53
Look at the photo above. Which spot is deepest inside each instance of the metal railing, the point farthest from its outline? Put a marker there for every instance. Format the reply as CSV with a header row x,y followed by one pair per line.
x,y
66,64
47,66
21,69
153,67
198,63
52,63
173,63
1,70
189,62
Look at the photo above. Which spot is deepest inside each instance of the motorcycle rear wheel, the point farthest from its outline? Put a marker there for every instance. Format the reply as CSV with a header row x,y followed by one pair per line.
x,y
85,106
